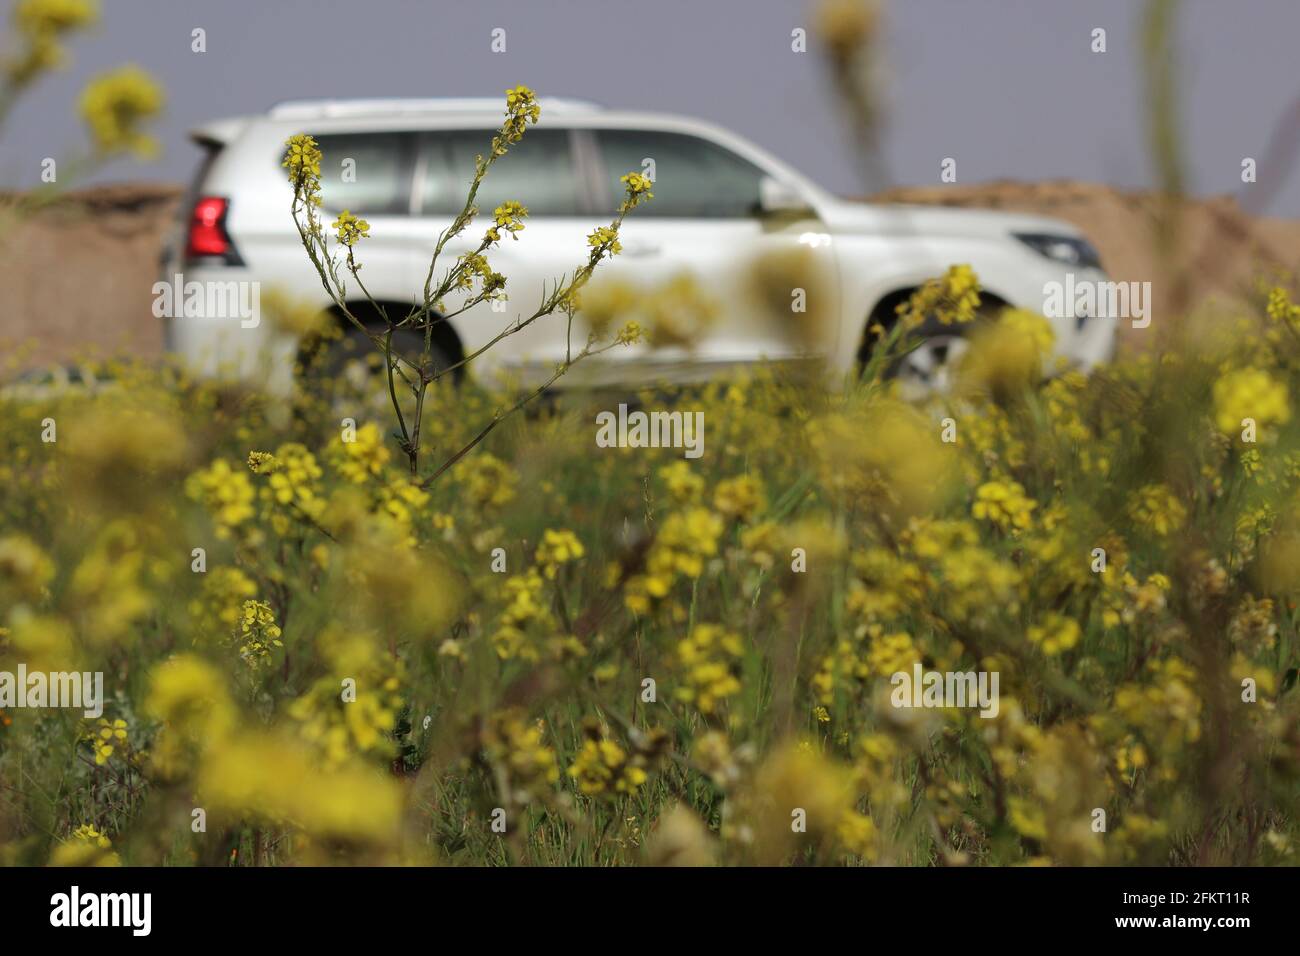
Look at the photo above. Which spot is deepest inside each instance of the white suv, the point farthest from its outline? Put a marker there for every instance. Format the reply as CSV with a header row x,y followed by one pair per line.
x,y
720,202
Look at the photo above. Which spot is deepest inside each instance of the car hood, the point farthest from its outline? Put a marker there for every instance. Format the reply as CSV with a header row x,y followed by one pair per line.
x,y
842,216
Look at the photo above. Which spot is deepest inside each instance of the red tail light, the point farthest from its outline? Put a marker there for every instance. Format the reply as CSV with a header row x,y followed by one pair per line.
x,y
208,229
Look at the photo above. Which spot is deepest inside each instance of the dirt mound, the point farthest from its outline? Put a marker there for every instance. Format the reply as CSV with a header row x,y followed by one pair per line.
x,y
1217,250
77,275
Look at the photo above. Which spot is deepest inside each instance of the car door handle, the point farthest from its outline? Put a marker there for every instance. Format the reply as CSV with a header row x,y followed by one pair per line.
x,y
457,247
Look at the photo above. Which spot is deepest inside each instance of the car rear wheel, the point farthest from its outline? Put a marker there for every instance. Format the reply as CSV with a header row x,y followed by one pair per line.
x,y
351,371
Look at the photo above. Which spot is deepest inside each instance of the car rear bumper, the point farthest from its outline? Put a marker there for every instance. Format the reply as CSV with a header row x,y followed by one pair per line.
x,y
213,324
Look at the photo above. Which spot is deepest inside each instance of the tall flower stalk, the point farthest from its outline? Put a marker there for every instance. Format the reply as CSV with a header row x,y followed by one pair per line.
x,y
471,277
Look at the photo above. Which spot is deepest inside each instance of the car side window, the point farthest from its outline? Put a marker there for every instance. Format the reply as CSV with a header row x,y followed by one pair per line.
x,y
538,171
693,178
366,173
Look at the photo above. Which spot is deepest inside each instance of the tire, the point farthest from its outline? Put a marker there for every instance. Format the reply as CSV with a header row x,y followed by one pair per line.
x,y
355,347
351,368
928,368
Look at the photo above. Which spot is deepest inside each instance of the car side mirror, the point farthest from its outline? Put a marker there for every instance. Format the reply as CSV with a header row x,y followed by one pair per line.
x,y
776,197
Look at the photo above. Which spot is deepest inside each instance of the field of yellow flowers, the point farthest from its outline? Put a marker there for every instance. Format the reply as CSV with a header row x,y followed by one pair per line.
x,y
563,654
559,654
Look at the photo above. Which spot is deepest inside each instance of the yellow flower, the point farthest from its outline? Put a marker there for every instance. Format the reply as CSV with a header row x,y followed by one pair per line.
x,y
105,737
225,492
709,658
1249,393
491,482
402,500
638,190
25,570
630,334
636,184
954,297
292,491
1007,356
796,776
522,108
188,696
688,538
261,462
524,614
41,17
107,584
739,497
120,448
684,485
903,470
225,589
257,633
891,653
87,847
339,728
1055,634
115,104
473,265
1280,308
362,458
1165,708
857,834
1031,326
508,216
846,25
302,158
601,766
684,541
272,777
1155,508
1027,817
350,229
89,834
1004,504
557,548
517,744
603,241
41,24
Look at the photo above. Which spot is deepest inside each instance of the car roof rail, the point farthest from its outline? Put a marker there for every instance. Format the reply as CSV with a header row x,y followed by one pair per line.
x,y
400,106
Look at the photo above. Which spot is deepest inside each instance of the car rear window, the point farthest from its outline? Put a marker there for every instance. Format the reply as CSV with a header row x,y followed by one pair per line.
x,y
367,173
538,171
211,150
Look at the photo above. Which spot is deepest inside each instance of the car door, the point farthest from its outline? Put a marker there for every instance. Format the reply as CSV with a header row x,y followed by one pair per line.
x,y
369,174
706,227
539,172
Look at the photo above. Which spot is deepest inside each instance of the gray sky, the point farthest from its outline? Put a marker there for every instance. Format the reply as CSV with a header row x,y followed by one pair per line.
x,y
1007,87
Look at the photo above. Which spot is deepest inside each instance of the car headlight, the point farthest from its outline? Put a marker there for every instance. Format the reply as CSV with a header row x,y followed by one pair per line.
x,y
1066,250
